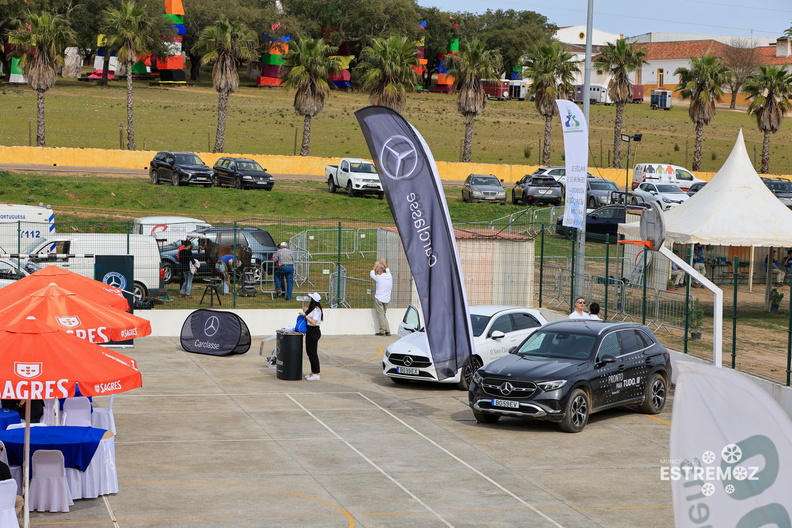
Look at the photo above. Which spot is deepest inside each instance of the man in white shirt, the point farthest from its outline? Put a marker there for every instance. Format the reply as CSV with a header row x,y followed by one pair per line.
x,y
381,275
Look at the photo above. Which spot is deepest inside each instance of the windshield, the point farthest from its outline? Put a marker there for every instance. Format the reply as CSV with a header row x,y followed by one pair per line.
x,y
558,345
603,186
479,323
250,166
363,167
188,159
670,189
484,180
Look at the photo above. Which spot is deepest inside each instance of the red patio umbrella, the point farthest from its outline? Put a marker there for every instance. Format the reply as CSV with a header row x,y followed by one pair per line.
x,y
76,314
97,291
41,362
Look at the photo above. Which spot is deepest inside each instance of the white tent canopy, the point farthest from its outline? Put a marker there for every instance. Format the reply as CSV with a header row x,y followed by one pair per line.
x,y
734,209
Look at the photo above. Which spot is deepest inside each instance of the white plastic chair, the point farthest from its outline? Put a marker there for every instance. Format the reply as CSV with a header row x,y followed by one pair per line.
x,y
8,495
77,411
16,471
48,489
50,412
102,417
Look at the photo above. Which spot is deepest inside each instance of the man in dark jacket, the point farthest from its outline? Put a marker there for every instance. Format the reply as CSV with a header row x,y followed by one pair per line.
x,y
186,265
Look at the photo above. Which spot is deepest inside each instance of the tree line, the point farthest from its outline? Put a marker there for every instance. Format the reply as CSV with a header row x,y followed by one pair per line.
x,y
227,34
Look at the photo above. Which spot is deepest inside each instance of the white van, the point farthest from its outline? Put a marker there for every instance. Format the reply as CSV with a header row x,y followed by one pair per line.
x,y
75,252
663,173
167,229
22,225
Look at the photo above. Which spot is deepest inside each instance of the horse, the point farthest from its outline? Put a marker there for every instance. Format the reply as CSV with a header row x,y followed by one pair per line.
x,y
214,251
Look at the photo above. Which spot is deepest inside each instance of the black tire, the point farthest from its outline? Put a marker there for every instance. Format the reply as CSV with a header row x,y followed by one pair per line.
x,y
350,191
655,395
463,198
154,177
467,373
167,272
486,418
238,182
514,198
400,381
139,291
592,203
558,202
331,186
216,180
175,179
576,412
381,195
526,201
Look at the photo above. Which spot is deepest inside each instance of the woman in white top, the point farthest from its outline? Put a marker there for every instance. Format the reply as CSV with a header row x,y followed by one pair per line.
x,y
579,313
313,317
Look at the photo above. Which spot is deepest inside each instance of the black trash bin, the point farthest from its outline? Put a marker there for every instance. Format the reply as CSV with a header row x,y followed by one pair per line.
x,y
288,354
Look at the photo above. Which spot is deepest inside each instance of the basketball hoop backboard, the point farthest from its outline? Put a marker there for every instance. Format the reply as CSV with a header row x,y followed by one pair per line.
x,y
653,226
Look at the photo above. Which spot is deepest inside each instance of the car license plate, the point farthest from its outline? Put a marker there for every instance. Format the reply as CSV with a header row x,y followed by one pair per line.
x,y
506,403
407,370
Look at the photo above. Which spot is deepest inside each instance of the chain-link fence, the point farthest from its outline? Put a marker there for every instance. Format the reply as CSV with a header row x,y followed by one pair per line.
x,y
520,259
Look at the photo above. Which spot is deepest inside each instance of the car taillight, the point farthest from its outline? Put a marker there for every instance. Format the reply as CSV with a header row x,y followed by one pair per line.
x,y
162,273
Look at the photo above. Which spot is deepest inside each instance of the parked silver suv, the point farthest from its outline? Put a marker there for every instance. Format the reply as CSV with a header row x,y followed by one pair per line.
x,y
537,189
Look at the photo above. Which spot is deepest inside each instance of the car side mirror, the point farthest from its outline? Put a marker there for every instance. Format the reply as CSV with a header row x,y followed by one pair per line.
x,y
513,350
409,328
497,334
604,360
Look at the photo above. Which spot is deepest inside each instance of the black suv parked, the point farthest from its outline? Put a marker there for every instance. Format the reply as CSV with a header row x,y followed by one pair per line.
x,y
535,189
180,168
782,188
258,240
242,173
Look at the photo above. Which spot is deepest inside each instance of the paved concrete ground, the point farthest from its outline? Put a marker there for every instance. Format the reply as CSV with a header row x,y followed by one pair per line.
x,y
220,441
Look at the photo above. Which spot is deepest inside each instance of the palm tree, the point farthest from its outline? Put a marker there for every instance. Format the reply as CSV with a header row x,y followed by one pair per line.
x,y
769,92
308,63
551,70
619,59
44,37
225,43
702,83
128,31
387,73
472,64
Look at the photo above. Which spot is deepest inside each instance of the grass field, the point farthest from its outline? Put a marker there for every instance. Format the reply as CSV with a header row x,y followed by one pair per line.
x,y
262,121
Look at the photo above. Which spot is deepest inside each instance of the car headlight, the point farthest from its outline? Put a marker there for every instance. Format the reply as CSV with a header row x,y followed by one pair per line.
x,y
502,194
477,378
551,385
666,200
478,193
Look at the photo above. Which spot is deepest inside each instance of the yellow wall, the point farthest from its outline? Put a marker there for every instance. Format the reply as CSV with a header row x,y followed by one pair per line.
x,y
140,159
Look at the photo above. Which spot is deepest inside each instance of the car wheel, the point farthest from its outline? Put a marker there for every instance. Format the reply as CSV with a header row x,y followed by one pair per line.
x,y
350,190
486,418
139,291
175,180
167,272
654,395
400,381
558,202
467,373
526,201
576,413
216,180
463,197
381,195
238,182
514,198
331,186
592,203
154,177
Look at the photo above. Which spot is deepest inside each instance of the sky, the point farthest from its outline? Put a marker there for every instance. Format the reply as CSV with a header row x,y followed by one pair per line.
x,y
767,18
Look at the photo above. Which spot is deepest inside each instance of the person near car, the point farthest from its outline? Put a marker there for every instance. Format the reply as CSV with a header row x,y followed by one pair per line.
x,y
186,263
383,279
284,271
594,312
313,317
677,273
699,262
579,309
224,266
779,274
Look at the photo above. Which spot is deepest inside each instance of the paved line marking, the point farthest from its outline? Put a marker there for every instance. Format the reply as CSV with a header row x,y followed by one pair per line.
x,y
653,417
371,463
471,468
111,512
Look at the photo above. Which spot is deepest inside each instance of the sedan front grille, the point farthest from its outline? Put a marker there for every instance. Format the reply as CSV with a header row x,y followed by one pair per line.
x,y
414,361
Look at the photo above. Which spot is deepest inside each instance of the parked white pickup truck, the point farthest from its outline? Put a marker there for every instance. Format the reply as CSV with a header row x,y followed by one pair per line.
x,y
357,176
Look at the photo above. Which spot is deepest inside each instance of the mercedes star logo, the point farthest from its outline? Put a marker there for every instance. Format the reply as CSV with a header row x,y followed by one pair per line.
x,y
407,361
115,279
399,158
211,326
506,388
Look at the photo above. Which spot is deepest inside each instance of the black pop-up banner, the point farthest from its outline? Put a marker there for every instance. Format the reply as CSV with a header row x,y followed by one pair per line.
x,y
412,186
118,271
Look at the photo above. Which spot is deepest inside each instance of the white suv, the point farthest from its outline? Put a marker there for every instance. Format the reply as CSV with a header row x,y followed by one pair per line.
x,y
668,195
